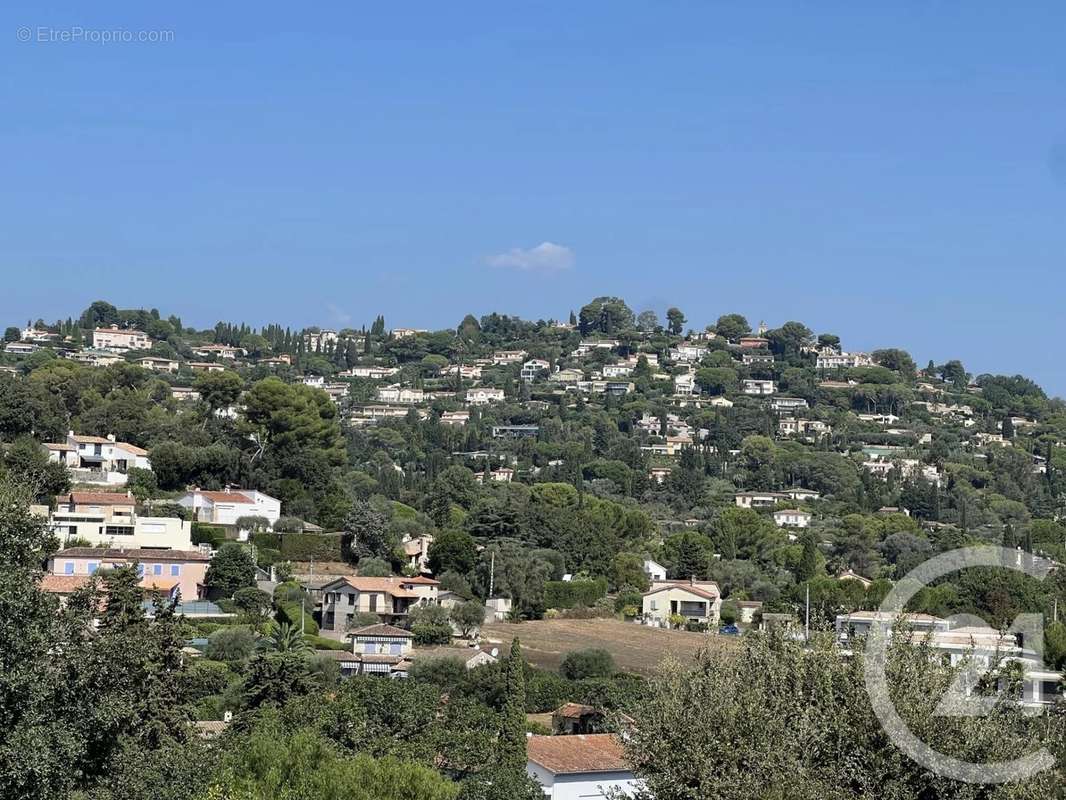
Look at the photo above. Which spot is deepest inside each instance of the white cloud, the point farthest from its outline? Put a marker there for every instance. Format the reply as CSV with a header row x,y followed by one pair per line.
x,y
545,257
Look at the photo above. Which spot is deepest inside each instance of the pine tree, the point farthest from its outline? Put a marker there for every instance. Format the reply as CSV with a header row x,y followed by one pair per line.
x,y
691,559
512,744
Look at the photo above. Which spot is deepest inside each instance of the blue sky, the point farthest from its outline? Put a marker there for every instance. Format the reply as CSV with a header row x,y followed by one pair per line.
x,y
895,175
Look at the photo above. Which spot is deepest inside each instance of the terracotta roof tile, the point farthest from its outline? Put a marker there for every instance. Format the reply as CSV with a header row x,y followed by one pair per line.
x,y
382,630
62,584
97,499
562,755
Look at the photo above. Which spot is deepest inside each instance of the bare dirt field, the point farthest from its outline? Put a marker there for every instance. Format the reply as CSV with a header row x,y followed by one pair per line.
x,y
636,648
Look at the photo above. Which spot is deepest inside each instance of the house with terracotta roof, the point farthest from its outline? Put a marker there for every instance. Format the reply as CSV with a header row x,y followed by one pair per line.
x,y
390,598
168,571
227,506
416,550
699,602
583,766
110,519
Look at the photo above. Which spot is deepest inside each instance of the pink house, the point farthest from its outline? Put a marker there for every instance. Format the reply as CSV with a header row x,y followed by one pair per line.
x,y
165,570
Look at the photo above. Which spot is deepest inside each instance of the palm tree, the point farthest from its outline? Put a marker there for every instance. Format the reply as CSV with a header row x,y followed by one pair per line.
x,y
284,638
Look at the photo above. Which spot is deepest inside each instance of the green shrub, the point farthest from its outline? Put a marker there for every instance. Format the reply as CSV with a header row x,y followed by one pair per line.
x,y
311,546
231,644
208,534
546,691
264,540
429,634
290,613
322,643
203,678
592,663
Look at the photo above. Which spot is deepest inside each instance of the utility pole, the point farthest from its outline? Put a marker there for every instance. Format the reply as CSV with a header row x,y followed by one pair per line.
x,y
807,622
492,573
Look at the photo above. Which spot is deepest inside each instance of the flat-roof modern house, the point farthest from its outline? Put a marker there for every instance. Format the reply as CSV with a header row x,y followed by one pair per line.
x,y
110,519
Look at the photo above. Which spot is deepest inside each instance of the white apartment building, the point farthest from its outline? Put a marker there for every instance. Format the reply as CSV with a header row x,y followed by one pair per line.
x,y
484,395
758,388
400,394
120,340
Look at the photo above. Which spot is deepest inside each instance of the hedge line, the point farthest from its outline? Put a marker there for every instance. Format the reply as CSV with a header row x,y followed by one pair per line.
x,y
301,546
563,594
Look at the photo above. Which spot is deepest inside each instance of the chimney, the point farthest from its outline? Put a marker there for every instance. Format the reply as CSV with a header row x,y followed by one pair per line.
x,y
111,437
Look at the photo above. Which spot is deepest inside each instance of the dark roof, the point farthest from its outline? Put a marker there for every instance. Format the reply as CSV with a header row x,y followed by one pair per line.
x,y
135,554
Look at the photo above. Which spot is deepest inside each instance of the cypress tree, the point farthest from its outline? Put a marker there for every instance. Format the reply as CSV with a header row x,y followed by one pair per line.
x,y
512,746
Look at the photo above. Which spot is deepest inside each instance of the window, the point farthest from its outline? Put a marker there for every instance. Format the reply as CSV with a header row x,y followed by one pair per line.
x,y
157,569
93,566
140,570
653,605
68,568
351,598
175,570
373,602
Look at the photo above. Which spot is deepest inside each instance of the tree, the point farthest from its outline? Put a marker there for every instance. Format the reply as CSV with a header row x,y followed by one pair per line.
x,y
366,531
284,638
373,567
793,699
647,321
12,334
606,315
219,389
717,380
675,321
627,569
274,762
452,551
692,559
512,744
232,643
253,603
592,663
468,616
231,568
732,326
807,567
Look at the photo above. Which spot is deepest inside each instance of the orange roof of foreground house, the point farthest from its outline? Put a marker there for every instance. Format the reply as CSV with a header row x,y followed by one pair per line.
x,y
111,554
563,755
62,584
